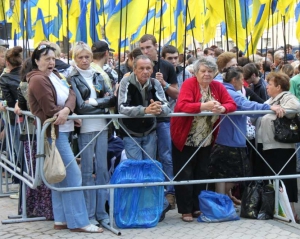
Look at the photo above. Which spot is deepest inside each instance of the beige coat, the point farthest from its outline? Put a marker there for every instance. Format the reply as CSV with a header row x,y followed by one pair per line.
x,y
265,126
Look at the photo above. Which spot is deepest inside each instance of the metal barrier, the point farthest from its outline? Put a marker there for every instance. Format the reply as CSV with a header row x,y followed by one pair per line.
x,y
40,151
14,160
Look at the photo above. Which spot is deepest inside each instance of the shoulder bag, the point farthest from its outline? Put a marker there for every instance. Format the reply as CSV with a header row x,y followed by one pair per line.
x,y
287,130
54,168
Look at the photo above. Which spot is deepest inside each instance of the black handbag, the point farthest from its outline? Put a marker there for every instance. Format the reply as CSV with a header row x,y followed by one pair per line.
x,y
287,130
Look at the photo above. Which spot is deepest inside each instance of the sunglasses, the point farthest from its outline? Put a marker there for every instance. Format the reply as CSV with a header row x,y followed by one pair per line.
x,y
41,47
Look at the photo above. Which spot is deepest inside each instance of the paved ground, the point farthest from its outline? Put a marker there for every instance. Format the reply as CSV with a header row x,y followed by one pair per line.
x,y
171,227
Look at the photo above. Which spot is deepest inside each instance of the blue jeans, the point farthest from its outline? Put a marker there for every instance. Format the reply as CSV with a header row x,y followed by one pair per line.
x,y
15,139
95,199
69,206
148,143
165,151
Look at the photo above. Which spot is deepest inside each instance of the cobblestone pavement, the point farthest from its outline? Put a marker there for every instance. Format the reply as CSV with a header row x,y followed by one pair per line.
x,y
171,227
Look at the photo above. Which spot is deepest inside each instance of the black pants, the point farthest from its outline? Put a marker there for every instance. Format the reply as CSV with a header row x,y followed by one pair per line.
x,y
277,159
197,168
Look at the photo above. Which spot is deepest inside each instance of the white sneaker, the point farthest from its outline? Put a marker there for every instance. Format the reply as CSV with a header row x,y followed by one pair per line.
x,y
14,196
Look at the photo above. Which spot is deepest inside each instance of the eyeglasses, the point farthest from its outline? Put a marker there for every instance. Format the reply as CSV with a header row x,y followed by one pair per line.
x,y
41,47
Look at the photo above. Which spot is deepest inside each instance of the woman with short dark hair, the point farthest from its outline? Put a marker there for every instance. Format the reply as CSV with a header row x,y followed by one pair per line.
x,y
276,153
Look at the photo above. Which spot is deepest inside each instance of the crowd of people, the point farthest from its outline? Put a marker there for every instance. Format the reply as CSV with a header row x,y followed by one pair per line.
x,y
143,82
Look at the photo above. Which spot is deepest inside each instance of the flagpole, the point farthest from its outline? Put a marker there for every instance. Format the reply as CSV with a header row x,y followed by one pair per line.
x,y
23,31
188,10
226,25
252,46
48,34
120,34
186,14
221,37
289,31
147,16
245,9
154,19
273,37
5,27
236,35
159,41
103,14
27,40
126,16
59,1
68,38
284,38
277,32
267,38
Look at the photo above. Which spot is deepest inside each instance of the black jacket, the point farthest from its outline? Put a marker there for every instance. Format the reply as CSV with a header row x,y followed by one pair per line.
x,y
83,92
9,83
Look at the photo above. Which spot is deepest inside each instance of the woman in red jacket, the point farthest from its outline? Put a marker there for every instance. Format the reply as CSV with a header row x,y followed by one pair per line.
x,y
192,135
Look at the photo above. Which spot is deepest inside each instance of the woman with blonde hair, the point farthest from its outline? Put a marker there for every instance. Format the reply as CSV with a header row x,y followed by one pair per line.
x,y
93,97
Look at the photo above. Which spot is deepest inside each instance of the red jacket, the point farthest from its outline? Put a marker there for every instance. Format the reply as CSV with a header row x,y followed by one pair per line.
x,y
189,102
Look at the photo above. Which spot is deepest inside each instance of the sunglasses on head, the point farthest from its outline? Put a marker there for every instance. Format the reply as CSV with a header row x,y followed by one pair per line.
x,y
41,47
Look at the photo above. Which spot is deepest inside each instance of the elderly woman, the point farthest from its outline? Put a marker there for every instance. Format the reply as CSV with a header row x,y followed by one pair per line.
x,y
49,96
197,94
229,157
274,152
93,97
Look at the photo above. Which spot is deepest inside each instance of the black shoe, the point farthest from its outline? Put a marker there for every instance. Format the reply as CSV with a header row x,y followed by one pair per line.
x,y
163,214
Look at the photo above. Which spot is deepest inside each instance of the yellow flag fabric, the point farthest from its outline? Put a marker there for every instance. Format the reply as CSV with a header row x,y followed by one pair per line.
x,y
39,28
298,30
136,9
74,13
260,17
3,7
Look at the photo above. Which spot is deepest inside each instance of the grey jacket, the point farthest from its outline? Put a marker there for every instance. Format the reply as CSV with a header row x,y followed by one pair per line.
x,y
265,126
132,101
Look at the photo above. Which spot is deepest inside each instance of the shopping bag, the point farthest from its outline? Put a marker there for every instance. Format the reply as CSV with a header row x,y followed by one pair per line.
x,y
251,200
216,207
284,206
267,203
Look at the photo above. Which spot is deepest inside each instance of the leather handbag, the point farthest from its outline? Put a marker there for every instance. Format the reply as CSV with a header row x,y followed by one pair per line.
x,y
287,130
54,168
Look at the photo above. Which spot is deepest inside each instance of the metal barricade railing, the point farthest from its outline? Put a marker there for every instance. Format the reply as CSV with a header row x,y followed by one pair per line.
x,y
40,162
20,132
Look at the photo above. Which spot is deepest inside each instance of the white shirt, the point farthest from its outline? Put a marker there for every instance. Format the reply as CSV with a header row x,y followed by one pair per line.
x,y
62,92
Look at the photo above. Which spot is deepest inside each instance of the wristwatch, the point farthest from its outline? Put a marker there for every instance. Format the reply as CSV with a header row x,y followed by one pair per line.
x,y
166,86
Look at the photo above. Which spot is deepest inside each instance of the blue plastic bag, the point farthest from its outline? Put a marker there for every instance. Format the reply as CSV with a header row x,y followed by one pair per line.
x,y
138,207
216,207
